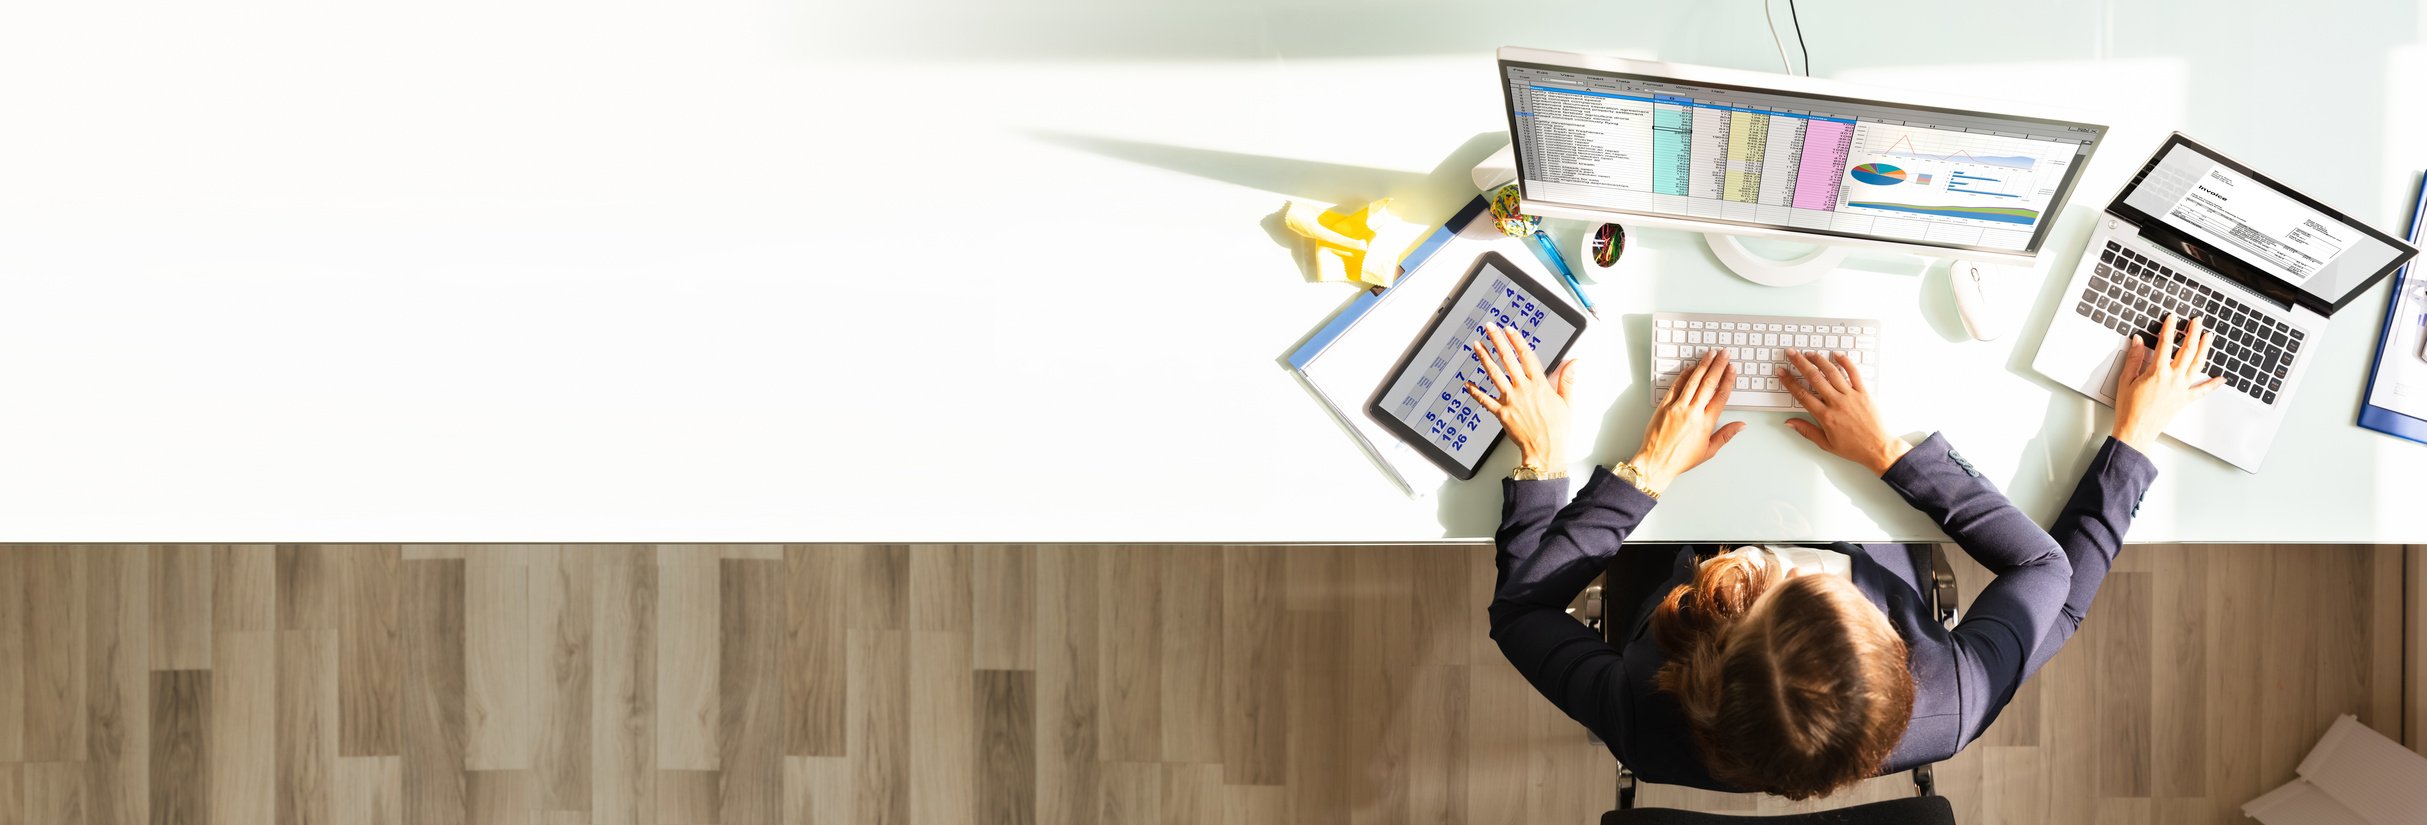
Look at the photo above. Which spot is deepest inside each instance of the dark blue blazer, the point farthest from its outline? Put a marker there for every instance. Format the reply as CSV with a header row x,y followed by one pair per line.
x,y
2046,579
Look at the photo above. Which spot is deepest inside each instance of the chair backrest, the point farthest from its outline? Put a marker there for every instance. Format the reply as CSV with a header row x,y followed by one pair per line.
x,y
1917,810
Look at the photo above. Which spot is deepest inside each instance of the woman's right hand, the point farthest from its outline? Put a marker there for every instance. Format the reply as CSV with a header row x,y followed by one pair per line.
x,y
2154,386
1844,421
1684,431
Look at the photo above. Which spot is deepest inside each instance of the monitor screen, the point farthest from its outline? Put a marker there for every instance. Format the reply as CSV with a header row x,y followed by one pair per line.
x,y
2274,230
1790,161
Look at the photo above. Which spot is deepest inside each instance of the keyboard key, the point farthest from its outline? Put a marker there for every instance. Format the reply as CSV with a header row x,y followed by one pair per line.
x,y
2267,397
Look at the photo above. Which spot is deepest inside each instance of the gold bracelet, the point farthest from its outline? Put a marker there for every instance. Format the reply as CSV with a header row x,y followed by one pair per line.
x,y
1627,471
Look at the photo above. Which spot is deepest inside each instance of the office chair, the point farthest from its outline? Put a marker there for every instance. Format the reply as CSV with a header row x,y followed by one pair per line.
x,y
1630,579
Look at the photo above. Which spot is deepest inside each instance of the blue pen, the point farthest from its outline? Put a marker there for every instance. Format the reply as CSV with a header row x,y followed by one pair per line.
x,y
1550,255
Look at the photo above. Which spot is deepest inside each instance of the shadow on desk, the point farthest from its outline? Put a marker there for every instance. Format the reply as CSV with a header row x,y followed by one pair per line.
x,y
1428,198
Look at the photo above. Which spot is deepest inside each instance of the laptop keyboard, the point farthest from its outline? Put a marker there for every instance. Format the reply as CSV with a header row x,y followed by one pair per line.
x,y
2129,293
1757,345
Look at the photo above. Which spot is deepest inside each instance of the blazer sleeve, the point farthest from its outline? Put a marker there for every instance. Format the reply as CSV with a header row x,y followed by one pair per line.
x,y
1546,554
2011,618
1545,561
2091,529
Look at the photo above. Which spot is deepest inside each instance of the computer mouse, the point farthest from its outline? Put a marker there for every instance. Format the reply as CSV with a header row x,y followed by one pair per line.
x,y
1976,286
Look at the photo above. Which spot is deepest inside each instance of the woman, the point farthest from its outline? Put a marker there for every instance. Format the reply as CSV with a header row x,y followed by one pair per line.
x,y
1796,671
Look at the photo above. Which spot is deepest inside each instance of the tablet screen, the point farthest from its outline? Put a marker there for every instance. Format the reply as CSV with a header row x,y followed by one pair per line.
x,y
1430,398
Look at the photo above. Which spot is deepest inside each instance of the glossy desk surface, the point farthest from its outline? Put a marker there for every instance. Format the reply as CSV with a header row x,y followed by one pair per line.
x,y
951,271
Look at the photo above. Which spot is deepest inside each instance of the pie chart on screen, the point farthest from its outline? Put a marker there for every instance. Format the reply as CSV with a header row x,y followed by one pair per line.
x,y
1878,174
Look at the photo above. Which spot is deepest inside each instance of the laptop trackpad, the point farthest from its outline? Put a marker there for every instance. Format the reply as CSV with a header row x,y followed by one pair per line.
x,y
2114,370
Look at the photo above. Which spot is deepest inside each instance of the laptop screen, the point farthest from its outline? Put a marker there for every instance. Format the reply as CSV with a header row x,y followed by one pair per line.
x,y
2224,207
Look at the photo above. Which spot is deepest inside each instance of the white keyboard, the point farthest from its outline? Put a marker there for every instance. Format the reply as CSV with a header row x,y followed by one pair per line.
x,y
1757,345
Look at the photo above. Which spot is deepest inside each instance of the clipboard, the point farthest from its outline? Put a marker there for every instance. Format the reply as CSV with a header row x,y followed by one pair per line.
x,y
2398,374
1411,473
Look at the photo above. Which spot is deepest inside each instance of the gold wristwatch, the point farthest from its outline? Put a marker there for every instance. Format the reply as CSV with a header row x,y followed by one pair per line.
x,y
1525,472
1627,471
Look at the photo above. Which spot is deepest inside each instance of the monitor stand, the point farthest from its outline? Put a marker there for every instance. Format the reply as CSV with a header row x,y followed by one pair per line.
x,y
1772,271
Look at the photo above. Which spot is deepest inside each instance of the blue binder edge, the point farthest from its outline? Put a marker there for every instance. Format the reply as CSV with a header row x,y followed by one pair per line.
x,y
1356,309
2378,418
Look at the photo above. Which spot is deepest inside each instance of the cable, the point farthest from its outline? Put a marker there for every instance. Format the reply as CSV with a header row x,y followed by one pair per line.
x,y
1807,51
1783,65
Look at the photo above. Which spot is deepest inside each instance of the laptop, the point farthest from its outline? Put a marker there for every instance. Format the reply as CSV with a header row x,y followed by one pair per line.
x,y
2203,235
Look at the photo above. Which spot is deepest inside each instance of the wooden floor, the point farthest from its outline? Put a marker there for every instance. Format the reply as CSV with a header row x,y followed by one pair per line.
x,y
880,685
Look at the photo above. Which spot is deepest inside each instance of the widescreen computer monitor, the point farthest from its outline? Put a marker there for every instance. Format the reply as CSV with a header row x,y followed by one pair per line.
x,y
1752,153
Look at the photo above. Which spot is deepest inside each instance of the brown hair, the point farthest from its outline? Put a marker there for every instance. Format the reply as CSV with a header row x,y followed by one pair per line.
x,y
1795,686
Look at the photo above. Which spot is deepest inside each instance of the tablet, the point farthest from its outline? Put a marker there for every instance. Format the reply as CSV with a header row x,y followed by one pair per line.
x,y
1423,399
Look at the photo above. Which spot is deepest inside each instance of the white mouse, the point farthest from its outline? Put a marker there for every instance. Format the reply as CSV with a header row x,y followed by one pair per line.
x,y
1976,286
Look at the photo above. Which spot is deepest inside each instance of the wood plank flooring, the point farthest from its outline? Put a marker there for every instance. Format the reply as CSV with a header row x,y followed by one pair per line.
x,y
846,684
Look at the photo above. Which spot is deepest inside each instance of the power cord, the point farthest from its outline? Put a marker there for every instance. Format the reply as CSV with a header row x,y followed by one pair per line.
x,y
1783,65
1807,51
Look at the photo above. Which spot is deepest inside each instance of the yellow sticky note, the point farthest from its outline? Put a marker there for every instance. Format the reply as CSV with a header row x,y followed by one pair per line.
x,y
1391,238
1335,265
1324,227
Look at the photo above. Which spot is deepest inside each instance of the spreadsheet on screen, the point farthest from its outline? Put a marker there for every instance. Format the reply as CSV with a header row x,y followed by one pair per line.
x,y
1777,159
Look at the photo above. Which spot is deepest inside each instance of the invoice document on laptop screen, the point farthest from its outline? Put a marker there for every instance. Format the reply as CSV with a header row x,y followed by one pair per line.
x,y
2258,223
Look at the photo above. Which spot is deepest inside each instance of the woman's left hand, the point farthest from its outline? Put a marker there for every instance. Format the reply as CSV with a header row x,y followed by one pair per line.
x,y
1531,406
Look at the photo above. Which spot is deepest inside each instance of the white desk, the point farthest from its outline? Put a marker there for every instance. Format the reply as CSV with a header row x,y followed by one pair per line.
x,y
720,271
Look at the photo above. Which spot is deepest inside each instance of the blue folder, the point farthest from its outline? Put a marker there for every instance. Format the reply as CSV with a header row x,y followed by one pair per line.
x,y
2378,418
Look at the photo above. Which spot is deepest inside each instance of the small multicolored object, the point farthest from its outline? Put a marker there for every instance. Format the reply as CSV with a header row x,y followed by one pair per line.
x,y
1607,244
1512,223
1519,225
